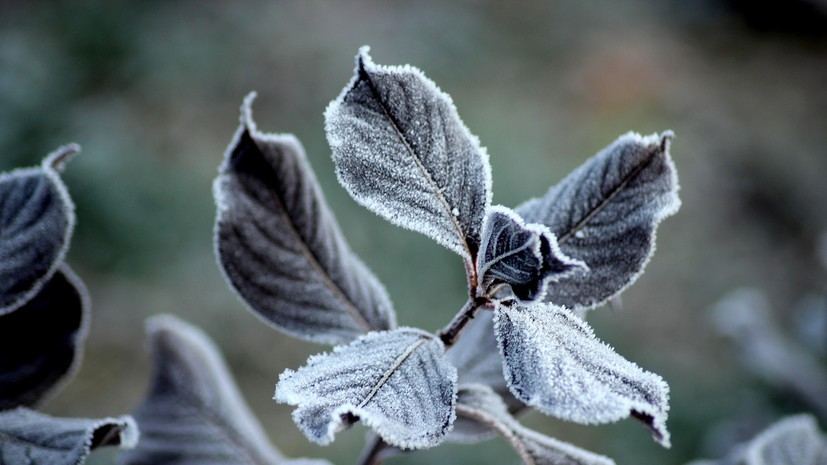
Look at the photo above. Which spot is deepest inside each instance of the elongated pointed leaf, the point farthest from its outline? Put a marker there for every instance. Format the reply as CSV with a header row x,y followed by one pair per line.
x,y
479,406
606,213
41,342
194,412
517,259
553,362
29,437
402,151
36,221
280,246
397,382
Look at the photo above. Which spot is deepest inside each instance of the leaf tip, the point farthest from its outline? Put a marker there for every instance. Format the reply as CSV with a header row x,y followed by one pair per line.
x,y
59,157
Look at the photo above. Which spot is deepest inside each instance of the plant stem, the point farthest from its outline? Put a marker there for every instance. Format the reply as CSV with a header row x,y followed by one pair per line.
x,y
450,333
370,455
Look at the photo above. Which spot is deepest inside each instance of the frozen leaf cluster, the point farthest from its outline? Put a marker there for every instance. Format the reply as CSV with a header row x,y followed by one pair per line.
x,y
44,313
401,150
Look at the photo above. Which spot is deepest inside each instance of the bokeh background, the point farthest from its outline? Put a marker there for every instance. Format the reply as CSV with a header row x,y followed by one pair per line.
x,y
151,91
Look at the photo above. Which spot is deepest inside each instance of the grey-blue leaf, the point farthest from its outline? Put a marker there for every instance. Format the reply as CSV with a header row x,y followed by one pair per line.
x,y
478,406
194,412
36,221
280,246
553,362
41,342
518,259
402,151
397,382
32,438
606,213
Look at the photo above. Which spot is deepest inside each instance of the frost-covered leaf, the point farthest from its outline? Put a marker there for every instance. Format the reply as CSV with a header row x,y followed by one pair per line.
x,y
194,412
402,151
399,383
480,407
553,362
605,213
36,221
518,259
41,342
32,438
280,246
795,440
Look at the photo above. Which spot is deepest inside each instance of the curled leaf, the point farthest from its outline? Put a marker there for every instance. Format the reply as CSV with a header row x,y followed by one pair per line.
x,y
41,342
280,247
519,258
36,221
553,362
29,437
402,151
194,412
478,406
605,213
399,383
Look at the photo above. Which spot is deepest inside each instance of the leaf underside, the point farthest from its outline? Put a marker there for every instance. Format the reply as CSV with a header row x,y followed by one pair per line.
x,y
41,342
553,362
29,437
194,412
606,213
399,383
36,221
480,408
402,151
281,249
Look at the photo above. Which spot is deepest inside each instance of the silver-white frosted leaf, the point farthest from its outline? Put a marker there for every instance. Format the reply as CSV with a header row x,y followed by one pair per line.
x,y
41,343
402,151
518,259
33,438
194,413
479,406
36,221
553,362
280,247
399,383
605,213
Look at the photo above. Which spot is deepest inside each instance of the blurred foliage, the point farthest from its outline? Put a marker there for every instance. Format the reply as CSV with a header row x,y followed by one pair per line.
x,y
151,91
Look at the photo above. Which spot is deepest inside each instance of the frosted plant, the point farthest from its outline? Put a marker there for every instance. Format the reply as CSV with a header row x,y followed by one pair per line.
x,y
401,150
44,315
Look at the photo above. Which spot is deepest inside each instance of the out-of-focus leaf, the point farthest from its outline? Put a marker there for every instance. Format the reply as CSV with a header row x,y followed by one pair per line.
x,y
280,246
605,213
481,408
402,151
795,440
36,221
399,383
32,438
745,316
553,362
194,412
517,259
41,342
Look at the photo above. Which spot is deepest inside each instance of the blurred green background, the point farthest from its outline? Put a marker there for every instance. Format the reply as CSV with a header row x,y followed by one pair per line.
x,y
151,91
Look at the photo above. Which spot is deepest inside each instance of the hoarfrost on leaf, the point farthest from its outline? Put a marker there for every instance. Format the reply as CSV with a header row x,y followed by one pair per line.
x,y
194,412
402,151
480,410
518,258
30,437
36,221
553,362
605,213
280,247
399,383
41,342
